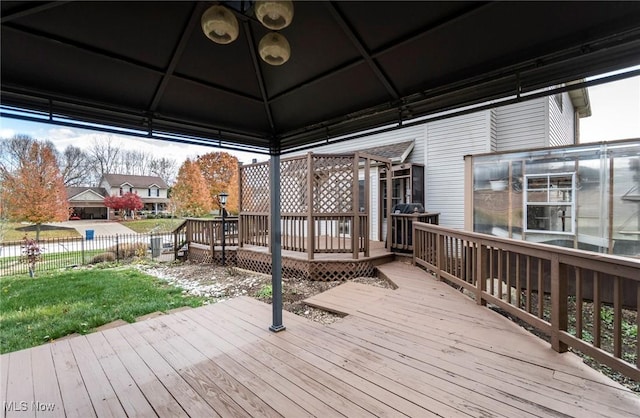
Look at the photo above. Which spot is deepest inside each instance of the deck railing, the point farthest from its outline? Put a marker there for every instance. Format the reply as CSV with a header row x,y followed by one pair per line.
x,y
327,233
402,228
574,297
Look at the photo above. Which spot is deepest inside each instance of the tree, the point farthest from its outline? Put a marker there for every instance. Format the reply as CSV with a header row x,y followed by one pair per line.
x,y
34,191
104,158
220,170
127,202
165,168
190,195
75,166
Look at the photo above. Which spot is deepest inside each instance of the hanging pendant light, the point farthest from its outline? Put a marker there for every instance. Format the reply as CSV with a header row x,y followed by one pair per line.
x,y
274,15
220,25
274,49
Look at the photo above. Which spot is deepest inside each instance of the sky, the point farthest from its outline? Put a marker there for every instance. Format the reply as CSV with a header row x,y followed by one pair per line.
x,y
615,115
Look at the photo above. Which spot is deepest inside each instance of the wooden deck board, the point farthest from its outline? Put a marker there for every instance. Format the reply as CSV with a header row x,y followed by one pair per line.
x,y
45,387
420,350
159,398
340,299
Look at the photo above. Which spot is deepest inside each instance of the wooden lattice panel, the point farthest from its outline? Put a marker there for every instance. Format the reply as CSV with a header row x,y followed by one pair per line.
x,y
338,270
333,184
199,255
304,269
293,185
253,261
255,188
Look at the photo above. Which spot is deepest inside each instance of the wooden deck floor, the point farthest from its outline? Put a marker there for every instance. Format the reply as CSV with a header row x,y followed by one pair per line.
x,y
420,350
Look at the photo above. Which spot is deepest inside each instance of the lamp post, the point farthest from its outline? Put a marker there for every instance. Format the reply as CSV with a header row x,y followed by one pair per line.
x,y
222,197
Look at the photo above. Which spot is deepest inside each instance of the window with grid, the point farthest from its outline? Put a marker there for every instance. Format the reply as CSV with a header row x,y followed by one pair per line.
x,y
549,203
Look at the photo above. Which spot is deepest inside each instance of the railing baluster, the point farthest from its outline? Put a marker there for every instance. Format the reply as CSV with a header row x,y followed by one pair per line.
x,y
540,290
518,284
579,301
528,281
638,325
617,317
559,317
597,306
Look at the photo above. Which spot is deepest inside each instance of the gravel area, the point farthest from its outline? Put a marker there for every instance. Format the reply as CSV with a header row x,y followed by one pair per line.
x,y
215,283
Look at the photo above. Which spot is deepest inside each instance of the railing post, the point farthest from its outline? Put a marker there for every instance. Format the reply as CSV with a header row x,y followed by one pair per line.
x,y
481,273
559,320
212,240
440,255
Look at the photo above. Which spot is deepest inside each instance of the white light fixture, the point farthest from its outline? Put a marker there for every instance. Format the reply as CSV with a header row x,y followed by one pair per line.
x,y
274,49
274,15
223,198
220,25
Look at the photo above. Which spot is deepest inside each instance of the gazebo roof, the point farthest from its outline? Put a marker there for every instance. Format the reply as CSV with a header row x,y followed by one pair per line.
x,y
147,66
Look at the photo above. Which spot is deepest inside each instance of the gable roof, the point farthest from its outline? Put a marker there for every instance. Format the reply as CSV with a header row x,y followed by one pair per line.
x,y
73,192
141,182
397,153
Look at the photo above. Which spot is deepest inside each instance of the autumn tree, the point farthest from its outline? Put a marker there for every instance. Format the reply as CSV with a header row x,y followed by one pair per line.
x,y
220,170
190,195
127,202
33,190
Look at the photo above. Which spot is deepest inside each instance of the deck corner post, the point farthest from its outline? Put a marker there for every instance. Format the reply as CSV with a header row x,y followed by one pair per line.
x,y
559,319
276,243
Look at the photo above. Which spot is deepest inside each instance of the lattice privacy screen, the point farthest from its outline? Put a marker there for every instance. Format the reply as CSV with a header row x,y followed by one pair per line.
x,y
332,182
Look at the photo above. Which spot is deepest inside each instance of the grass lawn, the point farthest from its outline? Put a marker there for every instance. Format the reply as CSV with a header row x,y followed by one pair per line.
x,y
155,225
34,311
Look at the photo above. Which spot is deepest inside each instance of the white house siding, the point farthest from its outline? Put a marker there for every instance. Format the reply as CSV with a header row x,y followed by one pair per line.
x,y
448,141
522,125
561,121
374,206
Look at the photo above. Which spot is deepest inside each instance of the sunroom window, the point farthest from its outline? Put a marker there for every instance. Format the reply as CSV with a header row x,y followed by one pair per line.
x,y
549,203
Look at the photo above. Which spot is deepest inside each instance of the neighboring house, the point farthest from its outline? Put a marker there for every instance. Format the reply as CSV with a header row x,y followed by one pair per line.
x,y
87,202
152,189
429,157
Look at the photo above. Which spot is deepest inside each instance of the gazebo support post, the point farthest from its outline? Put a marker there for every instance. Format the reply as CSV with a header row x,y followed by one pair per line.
x,y
275,230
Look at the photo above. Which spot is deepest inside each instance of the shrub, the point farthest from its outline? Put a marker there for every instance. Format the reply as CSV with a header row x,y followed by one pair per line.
x,y
129,250
103,258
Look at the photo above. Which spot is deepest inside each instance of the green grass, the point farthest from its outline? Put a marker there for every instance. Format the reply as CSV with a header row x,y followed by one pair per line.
x,y
153,225
35,311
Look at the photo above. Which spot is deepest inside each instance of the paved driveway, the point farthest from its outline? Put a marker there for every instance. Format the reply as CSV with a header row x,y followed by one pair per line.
x,y
99,227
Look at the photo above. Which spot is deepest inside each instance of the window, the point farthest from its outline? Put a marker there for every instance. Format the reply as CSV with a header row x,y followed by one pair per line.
x,y
154,192
549,203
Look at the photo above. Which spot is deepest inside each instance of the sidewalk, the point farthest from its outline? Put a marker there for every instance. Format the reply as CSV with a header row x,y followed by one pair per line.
x,y
99,227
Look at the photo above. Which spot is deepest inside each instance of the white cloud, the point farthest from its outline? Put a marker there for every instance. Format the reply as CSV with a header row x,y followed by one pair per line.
x,y
7,133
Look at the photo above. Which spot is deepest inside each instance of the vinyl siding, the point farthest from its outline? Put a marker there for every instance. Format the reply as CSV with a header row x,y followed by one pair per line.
x,y
448,141
522,125
561,121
